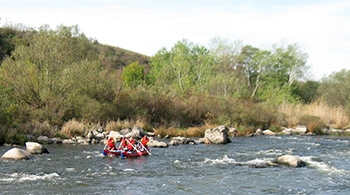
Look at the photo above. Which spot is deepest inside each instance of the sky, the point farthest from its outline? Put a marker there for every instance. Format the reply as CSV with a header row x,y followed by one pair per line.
x,y
320,27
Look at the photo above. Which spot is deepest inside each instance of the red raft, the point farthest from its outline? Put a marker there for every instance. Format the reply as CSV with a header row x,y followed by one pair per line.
x,y
125,154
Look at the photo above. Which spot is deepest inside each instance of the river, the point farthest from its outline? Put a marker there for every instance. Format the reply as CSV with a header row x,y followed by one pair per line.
x,y
185,169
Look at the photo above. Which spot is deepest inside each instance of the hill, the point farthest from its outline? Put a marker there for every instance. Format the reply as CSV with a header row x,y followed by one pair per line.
x,y
112,57
116,57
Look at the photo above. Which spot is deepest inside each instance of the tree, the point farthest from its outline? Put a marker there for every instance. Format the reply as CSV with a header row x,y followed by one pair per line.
x,y
335,88
157,64
253,63
227,80
7,42
289,64
269,74
52,70
133,75
12,36
307,91
186,67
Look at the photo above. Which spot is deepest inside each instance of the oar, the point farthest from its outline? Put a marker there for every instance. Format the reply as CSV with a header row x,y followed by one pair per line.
x,y
145,149
138,151
121,141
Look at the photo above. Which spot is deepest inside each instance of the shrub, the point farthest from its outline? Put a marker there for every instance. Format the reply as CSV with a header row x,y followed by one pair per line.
x,y
161,131
13,137
316,127
314,123
111,126
73,128
43,128
332,116
173,132
195,131
2,135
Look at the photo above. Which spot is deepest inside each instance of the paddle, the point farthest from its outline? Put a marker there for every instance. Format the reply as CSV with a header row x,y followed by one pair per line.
x,y
145,149
138,151
121,142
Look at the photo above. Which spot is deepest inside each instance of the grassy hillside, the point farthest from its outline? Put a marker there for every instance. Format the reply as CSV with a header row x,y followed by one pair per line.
x,y
112,57
116,57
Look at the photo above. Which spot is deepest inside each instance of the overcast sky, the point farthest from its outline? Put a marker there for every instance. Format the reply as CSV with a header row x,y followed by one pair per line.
x,y
320,27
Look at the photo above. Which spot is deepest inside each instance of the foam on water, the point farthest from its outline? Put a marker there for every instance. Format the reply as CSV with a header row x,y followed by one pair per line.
x,y
322,166
128,170
224,160
274,152
70,169
29,177
258,162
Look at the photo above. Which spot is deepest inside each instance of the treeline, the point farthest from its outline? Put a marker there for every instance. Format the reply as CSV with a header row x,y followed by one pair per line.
x,y
50,77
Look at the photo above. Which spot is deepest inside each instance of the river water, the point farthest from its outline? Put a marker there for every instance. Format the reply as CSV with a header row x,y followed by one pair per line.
x,y
185,169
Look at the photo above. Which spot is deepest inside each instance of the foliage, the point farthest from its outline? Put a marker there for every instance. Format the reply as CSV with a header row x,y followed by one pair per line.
x,y
12,36
47,73
123,124
335,89
133,75
185,68
335,117
7,42
49,77
314,123
43,128
269,74
173,132
307,91
16,138
226,79
3,133
117,58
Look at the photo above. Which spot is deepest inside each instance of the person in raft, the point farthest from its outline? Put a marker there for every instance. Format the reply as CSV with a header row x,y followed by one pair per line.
x,y
144,141
123,143
131,144
111,144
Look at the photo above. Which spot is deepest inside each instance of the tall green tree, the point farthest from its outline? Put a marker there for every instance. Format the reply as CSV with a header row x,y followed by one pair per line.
x,y
289,64
227,80
253,62
269,74
186,67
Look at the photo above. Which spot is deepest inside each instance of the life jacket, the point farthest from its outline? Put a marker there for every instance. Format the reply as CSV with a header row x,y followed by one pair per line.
x,y
111,144
124,143
131,144
144,141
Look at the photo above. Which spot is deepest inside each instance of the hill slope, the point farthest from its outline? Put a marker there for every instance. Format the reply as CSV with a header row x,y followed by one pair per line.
x,y
112,57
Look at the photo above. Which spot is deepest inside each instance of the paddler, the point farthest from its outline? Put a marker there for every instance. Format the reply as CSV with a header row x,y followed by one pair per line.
x,y
131,144
123,143
111,144
144,141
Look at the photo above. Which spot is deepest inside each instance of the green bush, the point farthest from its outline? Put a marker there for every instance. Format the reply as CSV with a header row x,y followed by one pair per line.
x,y
16,138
